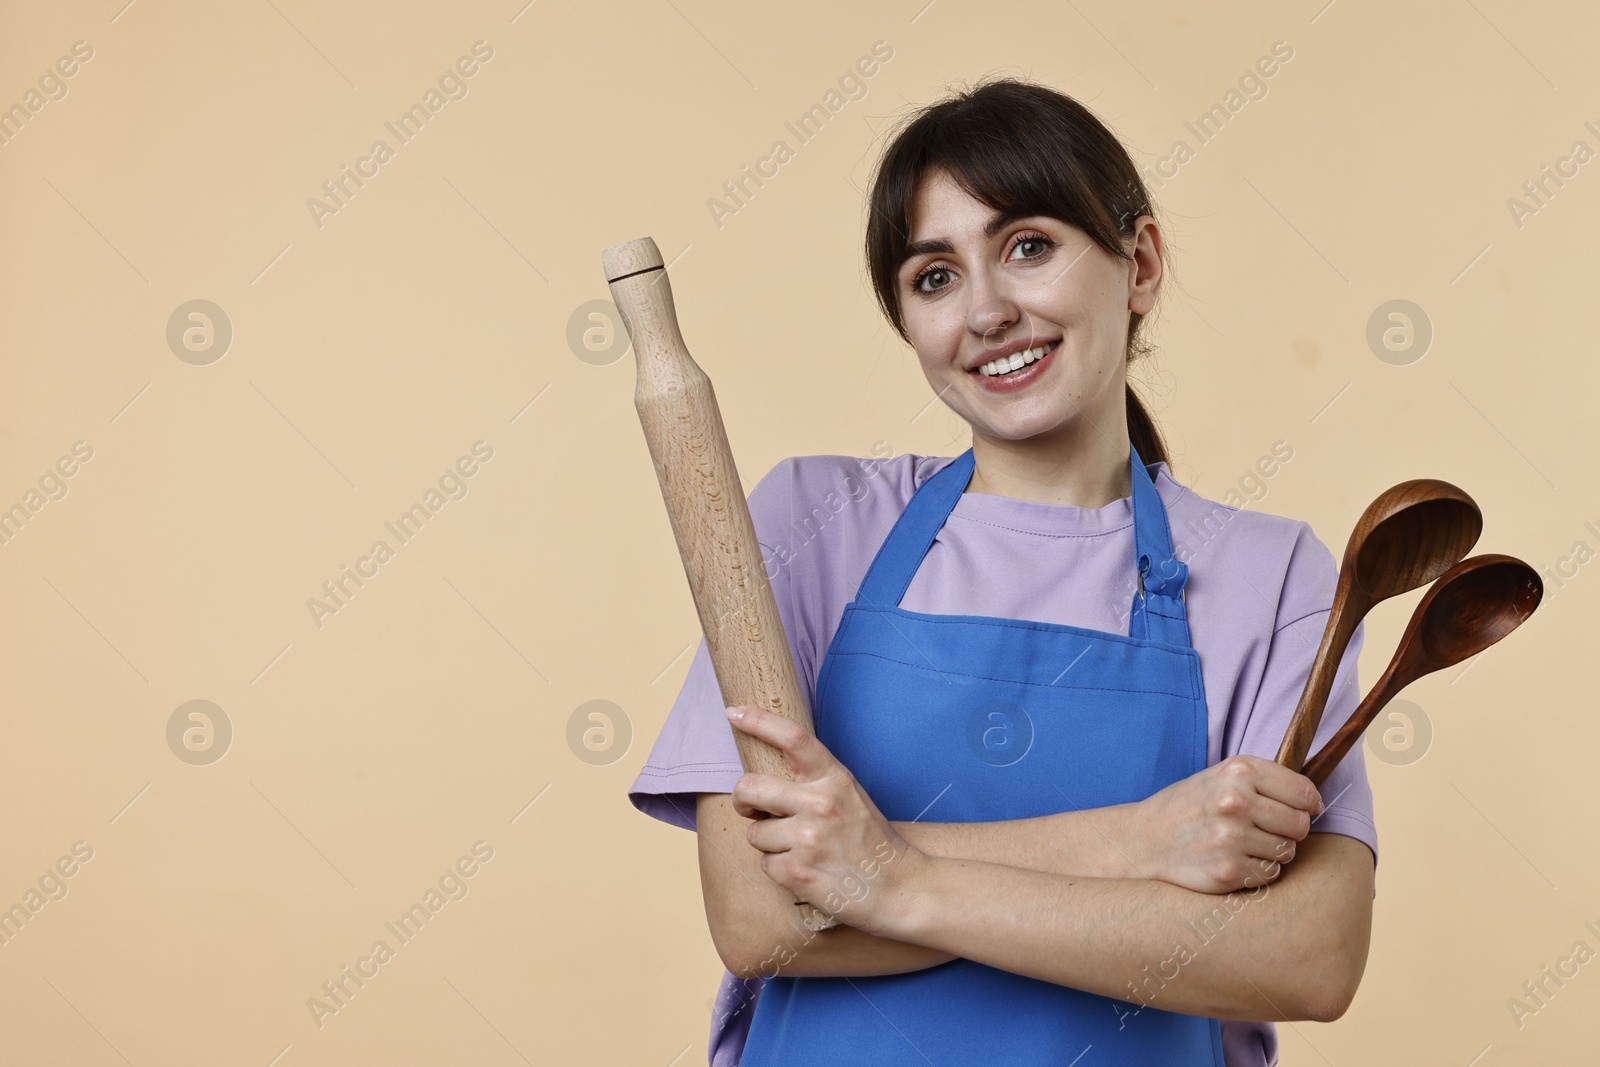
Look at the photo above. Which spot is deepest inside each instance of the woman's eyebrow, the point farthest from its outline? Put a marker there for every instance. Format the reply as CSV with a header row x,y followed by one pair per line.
x,y
939,244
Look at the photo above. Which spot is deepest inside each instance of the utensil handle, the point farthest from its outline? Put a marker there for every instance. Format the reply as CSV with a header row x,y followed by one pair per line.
x,y
706,505
1342,621
1338,747
1474,626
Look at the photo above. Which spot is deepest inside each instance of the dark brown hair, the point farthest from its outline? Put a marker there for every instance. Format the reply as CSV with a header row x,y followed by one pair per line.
x,y
1021,149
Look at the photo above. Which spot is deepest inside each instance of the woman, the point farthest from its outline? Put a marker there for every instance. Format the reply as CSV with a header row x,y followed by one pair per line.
x,y
1040,801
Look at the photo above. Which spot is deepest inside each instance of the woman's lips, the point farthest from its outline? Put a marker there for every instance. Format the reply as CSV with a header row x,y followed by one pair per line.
x,y
1017,379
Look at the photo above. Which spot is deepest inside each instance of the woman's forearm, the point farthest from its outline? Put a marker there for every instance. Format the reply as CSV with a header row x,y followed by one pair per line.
x,y
840,952
1294,949
1097,843
1090,843
1094,843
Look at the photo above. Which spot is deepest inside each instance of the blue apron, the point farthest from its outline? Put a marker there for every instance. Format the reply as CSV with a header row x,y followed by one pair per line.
x,y
974,718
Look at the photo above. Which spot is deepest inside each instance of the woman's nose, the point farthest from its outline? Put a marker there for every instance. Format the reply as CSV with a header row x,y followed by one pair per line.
x,y
992,317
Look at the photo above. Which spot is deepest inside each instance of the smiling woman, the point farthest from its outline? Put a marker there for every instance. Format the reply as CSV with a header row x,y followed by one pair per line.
x,y
1036,818
1014,252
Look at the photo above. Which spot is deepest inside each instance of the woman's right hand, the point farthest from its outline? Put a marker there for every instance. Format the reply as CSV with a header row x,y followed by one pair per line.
x,y
1231,826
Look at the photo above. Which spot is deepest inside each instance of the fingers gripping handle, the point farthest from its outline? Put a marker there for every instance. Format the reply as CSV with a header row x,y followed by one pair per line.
x,y
706,505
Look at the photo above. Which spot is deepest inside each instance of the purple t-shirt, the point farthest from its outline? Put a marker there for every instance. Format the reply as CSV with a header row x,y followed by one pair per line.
x,y
1259,591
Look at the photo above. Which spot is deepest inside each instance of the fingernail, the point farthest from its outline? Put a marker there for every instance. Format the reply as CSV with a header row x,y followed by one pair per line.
x,y
735,712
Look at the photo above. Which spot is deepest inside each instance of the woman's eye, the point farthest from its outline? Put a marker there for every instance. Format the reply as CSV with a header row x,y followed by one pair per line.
x,y
1040,246
1035,246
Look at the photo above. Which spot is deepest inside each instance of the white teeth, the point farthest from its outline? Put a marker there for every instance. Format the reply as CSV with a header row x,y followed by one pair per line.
x,y
1016,361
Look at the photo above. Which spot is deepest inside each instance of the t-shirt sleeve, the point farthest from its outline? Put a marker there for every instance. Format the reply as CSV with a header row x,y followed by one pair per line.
x,y
695,751
1303,607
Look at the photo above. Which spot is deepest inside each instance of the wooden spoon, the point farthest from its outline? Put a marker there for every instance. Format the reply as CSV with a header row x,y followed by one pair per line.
x,y
1475,604
1406,538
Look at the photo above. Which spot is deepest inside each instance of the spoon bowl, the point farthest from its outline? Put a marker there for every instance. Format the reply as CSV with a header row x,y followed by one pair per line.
x,y
1417,542
1407,537
1478,606
1474,604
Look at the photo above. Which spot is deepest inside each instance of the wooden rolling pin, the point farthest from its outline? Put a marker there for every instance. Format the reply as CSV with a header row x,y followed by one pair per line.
x,y
710,518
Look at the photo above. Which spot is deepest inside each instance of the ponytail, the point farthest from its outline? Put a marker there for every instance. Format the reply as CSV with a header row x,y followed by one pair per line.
x,y
1142,428
1144,433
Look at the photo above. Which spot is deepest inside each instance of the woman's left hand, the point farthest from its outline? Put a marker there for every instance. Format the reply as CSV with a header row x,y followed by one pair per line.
x,y
820,835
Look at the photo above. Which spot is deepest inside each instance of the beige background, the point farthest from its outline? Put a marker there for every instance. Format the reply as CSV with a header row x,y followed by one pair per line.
x,y
432,309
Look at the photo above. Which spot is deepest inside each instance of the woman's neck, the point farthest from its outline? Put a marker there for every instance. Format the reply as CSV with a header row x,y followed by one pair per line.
x,y
1083,472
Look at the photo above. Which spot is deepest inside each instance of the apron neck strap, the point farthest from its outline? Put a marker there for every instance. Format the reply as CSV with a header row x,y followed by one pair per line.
x,y
1158,608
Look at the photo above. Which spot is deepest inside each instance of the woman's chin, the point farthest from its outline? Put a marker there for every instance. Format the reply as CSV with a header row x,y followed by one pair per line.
x,y
1015,429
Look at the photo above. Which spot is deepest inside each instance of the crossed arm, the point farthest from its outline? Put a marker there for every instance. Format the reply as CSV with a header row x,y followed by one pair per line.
x,y
1152,903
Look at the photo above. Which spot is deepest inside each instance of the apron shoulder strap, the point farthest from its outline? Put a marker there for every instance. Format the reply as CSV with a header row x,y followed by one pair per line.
x,y
1159,611
897,561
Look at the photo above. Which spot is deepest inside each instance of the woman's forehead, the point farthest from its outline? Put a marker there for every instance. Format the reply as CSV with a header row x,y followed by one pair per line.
x,y
940,202
941,211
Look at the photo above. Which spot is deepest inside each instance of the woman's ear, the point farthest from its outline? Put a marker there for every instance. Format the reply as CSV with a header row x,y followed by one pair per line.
x,y
1145,269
